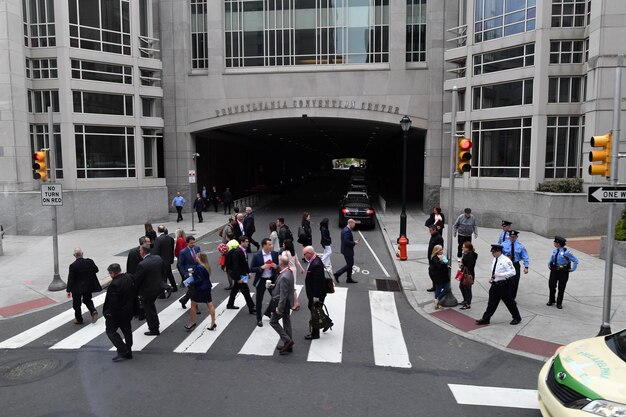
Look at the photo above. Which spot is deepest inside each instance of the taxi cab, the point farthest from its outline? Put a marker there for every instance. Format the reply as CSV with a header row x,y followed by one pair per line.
x,y
585,378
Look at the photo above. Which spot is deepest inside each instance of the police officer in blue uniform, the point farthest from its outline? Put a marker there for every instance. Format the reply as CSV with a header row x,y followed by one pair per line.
x,y
506,230
562,262
515,250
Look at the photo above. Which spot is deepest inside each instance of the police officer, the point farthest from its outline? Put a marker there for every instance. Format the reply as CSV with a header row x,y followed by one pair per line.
x,y
562,262
516,251
506,230
501,274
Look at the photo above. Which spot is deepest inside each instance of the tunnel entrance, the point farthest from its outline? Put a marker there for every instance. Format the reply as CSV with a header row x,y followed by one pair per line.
x,y
281,153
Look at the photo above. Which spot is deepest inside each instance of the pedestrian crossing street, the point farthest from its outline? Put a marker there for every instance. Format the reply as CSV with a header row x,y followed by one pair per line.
x,y
387,345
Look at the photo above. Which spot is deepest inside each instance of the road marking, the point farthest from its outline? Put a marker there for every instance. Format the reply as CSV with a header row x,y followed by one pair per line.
x,y
375,256
47,326
328,348
263,340
495,396
80,338
201,339
388,340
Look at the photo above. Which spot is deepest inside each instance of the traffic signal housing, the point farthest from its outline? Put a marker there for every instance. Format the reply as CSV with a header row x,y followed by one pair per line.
x,y
464,156
40,166
602,155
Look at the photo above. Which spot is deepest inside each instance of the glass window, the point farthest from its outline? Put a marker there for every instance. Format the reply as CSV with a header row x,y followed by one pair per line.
x,y
565,90
495,19
152,139
151,107
501,148
40,100
39,140
416,30
504,59
569,13
38,20
199,35
505,94
564,147
100,25
566,52
104,151
44,68
100,71
101,103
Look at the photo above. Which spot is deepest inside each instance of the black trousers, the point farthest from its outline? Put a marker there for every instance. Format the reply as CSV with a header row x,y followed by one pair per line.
x,y
260,292
123,346
461,240
149,308
347,268
199,215
79,298
501,291
252,242
557,277
314,332
228,205
169,276
179,210
215,205
466,292
245,290
515,280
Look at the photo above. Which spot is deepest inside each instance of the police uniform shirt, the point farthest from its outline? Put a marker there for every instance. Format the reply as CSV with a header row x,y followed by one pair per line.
x,y
562,257
521,254
504,237
504,268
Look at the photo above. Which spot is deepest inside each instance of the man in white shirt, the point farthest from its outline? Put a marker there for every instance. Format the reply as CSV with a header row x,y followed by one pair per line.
x,y
501,273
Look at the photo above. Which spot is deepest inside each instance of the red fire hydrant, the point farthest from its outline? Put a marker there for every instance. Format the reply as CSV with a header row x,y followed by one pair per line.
x,y
402,242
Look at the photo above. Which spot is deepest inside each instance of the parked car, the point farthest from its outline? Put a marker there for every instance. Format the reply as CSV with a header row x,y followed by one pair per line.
x,y
586,377
356,205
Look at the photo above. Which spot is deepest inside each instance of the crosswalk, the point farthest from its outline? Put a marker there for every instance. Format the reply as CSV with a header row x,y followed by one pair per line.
x,y
388,347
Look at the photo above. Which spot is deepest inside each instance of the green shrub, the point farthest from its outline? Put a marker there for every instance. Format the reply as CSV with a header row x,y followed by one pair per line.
x,y
566,185
620,230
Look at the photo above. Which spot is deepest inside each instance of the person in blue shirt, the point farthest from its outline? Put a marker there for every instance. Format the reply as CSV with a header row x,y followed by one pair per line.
x,y
506,229
515,250
562,262
178,202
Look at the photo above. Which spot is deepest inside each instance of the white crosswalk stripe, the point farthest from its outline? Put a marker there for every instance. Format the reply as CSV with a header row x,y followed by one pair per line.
x,y
495,396
389,346
330,348
82,337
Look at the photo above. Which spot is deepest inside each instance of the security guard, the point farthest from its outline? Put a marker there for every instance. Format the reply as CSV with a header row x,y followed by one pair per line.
x,y
562,262
516,251
506,230
501,274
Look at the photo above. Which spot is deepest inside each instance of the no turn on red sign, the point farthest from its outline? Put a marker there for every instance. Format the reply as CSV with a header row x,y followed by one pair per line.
x,y
51,195
192,176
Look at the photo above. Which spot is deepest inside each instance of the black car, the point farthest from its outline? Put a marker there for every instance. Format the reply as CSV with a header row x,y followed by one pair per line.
x,y
356,205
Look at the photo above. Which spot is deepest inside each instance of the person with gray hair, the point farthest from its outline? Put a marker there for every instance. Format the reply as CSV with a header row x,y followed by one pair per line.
x,y
81,282
118,309
283,297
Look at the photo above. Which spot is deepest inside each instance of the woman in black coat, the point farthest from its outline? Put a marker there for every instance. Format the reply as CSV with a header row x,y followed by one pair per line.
x,y
468,262
439,273
325,242
150,233
305,238
436,217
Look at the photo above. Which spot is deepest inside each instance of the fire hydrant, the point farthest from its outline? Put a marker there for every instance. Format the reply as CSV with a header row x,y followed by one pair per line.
x,y
402,242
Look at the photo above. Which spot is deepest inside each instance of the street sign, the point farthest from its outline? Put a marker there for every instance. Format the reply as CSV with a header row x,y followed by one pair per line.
x,y
192,176
606,195
51,195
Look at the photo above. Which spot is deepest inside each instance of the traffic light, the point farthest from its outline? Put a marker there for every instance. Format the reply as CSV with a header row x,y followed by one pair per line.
x,y
464,157
602,155
40,166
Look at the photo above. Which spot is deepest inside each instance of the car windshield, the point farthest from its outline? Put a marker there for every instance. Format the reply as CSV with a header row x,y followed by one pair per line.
x,y
620,343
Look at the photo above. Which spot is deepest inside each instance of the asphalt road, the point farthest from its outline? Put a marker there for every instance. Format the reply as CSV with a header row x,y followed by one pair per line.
x,y
38,381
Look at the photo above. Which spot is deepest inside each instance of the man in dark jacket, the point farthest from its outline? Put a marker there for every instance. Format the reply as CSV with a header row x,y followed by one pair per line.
x,y
134,258
227,199
347,250
249,229
81,282
118,308
284,232
148,280
164,247
265,265
435,239
239,272
315,284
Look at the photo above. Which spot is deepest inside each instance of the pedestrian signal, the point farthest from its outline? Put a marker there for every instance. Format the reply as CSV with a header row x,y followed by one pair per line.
x,y
464,156
602,155
40,166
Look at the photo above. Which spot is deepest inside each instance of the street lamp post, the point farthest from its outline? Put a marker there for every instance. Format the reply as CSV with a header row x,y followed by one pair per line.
x,y
405,125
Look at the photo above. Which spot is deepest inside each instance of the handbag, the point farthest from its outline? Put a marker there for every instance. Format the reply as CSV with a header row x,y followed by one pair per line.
x,y
320,318
467,280
459,275
330,286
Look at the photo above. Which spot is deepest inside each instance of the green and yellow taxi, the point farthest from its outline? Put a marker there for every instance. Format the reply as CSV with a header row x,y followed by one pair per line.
x,y
584,378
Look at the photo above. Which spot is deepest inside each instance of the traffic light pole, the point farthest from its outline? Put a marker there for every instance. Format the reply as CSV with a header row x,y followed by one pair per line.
x,y
610,233
452,169
57,283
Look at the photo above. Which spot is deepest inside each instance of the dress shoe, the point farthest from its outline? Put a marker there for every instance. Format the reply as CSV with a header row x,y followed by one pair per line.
x,y
182,304
228,288
549,303
120,358
351,281
152,333
168,293
259,323
514,322
336,278
232,307
174,289
431,289
311,336
94,317
287,348
212,327
129,355
559,306
482,321
161,296
78,322
252,311
282,346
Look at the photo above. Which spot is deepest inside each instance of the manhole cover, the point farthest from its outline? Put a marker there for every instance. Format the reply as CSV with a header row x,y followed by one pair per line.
x,y
27,371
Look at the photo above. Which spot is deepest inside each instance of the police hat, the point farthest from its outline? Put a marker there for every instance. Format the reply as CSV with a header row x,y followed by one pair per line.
x,y
496,248
560,240
513,233
506,223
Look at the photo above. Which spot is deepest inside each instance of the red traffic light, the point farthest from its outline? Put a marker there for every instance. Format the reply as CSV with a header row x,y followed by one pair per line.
x,y
465,144
40,168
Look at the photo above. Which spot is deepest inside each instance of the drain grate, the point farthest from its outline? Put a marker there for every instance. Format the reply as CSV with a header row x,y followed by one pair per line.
x,y
28,371
387,285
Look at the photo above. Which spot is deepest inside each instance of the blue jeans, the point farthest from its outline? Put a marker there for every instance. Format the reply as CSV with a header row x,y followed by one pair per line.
x,y
441,290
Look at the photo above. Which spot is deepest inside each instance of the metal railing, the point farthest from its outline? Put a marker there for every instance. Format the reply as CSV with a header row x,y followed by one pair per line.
x,y
461,36
149,47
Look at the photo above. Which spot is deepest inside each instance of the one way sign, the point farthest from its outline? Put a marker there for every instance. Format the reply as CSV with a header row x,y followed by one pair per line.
x,y
606,195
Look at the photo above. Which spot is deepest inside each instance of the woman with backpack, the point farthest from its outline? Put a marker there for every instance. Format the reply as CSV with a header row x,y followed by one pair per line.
x,y
305,235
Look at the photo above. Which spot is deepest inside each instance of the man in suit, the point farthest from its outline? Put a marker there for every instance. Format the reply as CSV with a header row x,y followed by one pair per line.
x,y
347,249
265,265
249,229
148,279
118,311
238,228
164,247
81,282
134,258
315,283
188,259
283,295
227,199
239,271
284,232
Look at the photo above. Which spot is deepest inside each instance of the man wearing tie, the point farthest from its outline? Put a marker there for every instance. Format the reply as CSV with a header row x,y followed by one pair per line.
x,y
314,283
148,279
265,265
516,251
506,230
188,259
239,272
347,249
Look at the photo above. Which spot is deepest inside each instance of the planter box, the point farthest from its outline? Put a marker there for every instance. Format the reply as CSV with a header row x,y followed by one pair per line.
x,y
619,251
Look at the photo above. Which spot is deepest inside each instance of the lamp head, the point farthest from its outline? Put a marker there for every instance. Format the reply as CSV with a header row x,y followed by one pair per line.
x,y
405,123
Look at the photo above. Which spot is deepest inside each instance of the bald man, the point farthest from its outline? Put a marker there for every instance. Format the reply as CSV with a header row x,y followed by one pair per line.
x,y
81,282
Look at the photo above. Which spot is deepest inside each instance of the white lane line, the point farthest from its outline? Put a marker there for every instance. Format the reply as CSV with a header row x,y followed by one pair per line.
x,y
263,340
375,256
201,339
329,347
495,396
389,346
167,317
47,326
80,338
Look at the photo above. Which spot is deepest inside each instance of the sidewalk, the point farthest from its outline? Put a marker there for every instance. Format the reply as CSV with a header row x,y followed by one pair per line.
x,y
543,328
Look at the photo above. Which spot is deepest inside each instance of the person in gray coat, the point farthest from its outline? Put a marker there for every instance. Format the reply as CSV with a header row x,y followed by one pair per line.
x,y
282,294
